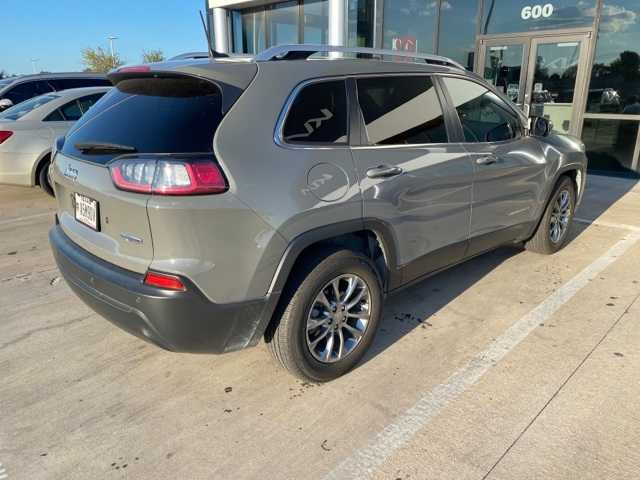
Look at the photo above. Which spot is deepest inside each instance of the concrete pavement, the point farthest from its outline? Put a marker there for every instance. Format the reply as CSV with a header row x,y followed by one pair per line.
x,y
80,399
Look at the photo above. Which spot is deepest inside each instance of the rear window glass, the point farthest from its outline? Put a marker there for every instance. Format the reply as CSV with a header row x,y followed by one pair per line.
x,y
18,111
318,114
152,115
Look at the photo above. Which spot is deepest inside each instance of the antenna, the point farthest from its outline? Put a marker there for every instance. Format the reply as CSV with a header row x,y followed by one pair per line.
x,y
207,34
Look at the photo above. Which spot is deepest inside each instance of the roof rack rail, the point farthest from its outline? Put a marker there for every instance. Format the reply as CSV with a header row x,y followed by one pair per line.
x,y
302,52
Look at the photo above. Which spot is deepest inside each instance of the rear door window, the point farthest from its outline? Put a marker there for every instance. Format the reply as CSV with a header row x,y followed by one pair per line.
x,y
153,115
66,83
318,115
403,110
87,102
25,91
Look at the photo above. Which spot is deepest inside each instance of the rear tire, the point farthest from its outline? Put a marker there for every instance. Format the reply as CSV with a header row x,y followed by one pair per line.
x,y
553,231
320,336
43,178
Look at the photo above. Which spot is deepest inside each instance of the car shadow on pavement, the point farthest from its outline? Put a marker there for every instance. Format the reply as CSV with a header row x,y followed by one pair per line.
x,y
416,306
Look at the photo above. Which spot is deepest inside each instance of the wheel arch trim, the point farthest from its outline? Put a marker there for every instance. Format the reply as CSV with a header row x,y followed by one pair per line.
x,y
299,244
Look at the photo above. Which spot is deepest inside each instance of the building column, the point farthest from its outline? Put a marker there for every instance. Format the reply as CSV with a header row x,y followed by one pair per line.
x,y
220,30
337,22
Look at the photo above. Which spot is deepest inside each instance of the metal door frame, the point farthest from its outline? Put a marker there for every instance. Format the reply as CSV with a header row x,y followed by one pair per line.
x,y
530,42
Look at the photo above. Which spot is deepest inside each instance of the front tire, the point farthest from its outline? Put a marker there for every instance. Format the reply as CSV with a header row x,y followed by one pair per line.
x,y
553,231
332,311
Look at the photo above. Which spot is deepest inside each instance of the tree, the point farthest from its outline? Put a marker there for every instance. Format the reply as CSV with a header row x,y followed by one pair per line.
x,y
152,56
99,61
2,74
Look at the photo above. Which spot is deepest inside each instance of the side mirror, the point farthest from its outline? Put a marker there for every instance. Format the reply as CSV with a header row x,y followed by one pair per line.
x,y
5,103
540,127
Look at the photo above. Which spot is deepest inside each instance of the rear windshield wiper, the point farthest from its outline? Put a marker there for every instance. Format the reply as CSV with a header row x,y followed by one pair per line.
x,y
100,147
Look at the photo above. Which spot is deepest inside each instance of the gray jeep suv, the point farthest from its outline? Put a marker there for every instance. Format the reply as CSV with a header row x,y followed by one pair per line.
x,y
205,205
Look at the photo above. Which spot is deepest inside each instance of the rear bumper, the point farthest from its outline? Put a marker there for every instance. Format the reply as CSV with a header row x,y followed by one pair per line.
x,y
177,321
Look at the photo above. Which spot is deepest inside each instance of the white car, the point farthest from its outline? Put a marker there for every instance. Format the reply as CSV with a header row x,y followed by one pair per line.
x,y
28,130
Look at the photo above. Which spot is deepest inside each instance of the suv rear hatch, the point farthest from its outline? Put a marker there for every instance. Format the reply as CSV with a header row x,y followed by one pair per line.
x,y
103,173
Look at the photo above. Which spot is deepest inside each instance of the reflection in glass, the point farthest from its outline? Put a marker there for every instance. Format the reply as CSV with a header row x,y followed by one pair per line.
x,y
615,78
316,21
458,25
503,67
409,25
361,21
282,22
401,111
554,83
510,16
610,143
248,31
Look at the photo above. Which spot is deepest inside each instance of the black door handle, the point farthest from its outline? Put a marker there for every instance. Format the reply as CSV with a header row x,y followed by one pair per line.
x,y
384,171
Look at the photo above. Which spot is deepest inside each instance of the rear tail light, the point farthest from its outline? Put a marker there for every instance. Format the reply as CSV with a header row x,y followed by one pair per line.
x,y
164,281
4,135
135,69
168,176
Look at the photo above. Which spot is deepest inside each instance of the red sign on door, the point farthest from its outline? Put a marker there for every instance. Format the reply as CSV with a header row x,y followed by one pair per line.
x,y
406,43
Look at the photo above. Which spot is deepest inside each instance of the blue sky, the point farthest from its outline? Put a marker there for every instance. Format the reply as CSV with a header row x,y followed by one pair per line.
x,y
56,31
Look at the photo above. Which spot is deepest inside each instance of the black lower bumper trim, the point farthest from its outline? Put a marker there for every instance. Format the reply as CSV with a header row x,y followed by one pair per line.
x,y
177,321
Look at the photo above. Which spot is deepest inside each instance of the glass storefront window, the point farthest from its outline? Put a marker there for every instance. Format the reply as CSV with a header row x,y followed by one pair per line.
x,y
255,29
361,23
615,78
458,26
610,143
511,16
409,25
316,21
248,31
282,22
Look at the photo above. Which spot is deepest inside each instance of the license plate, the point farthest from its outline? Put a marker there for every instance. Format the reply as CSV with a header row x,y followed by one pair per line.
x,y
86,211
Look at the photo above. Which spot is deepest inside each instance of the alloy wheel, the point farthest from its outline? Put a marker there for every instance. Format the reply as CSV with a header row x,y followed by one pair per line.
x,y
339,318
560,216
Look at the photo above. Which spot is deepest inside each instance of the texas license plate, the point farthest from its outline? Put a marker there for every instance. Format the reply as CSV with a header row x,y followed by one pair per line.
x,y
86,211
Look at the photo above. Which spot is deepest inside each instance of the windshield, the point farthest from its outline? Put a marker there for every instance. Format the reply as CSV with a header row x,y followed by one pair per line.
x,y
18,111
6,81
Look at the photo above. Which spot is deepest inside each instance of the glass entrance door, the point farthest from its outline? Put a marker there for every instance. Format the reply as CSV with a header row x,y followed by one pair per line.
x,y
555,84
544,75
504,65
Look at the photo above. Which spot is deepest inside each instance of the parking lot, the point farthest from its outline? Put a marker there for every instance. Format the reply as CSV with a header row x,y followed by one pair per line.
x,y
512,365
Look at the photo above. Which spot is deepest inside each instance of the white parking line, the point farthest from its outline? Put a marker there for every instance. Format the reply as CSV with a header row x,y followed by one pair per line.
x,y
3,473
598,223
24,219
364,462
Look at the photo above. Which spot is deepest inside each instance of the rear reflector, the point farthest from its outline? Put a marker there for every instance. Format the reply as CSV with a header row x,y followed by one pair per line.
x,y
164,281
168,176
4,135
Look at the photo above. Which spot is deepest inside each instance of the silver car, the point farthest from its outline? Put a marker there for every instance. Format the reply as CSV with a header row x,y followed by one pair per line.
x,y
28,130
205,205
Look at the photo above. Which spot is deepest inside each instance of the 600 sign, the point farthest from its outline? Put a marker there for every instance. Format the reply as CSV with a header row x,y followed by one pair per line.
x,y
537,11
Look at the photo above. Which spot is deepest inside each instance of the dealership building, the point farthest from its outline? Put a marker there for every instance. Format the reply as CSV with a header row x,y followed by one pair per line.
x,y
576,62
